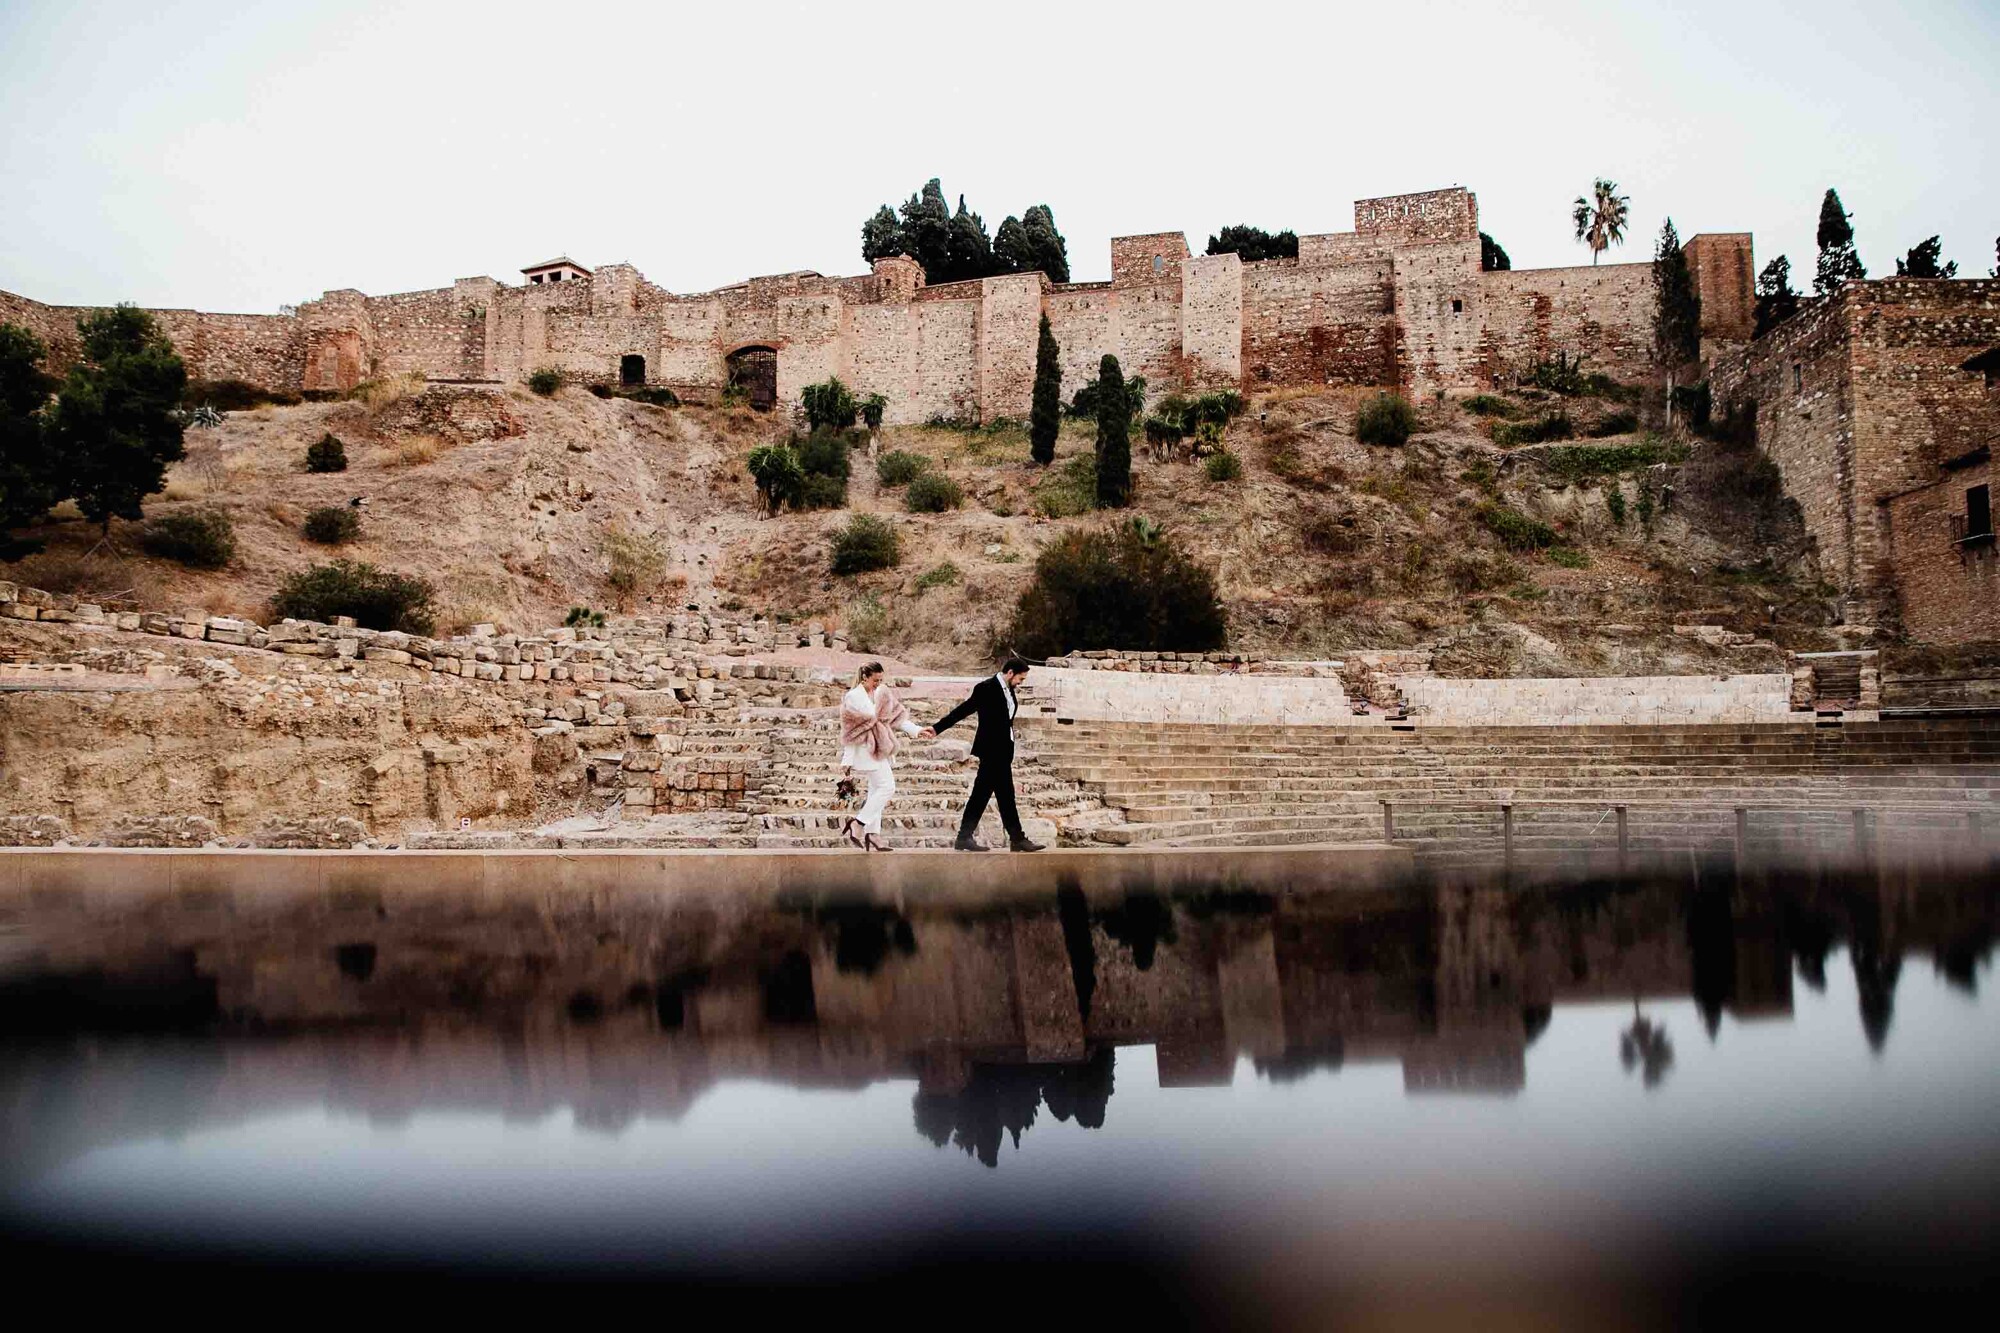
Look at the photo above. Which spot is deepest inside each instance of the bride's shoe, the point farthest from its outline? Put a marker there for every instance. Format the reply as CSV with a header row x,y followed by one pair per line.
x,y
847,832
875,844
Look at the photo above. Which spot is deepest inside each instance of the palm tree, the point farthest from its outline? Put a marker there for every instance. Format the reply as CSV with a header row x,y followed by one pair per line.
x,y
1644,1046
1600,219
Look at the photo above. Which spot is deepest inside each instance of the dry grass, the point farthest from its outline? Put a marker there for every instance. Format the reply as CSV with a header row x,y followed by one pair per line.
x,y
374,395
89,575
416,450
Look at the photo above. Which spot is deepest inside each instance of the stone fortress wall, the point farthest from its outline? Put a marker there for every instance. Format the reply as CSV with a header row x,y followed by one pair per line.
x,y
1881,407
1400,300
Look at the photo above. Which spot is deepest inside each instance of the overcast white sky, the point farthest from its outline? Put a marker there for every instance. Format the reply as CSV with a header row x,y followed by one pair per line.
x,y
235,157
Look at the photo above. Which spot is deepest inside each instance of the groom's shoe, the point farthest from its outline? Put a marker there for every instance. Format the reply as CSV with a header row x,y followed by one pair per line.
x,y
968,845
1023,844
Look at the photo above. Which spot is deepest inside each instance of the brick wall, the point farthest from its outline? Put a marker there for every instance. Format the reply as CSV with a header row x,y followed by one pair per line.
x,y
1724,278
1949,589
1010,312
1212,320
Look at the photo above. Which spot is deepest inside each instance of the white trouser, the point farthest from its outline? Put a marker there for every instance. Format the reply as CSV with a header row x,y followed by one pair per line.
x,y
881,786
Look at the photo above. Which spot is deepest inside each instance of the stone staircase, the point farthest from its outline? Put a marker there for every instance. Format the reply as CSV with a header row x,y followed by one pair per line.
x,y
1206,785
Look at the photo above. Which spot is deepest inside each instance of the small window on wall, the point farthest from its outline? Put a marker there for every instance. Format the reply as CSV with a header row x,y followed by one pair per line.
x,y
1457,306
1798,378
1978,512
1159,263
536,278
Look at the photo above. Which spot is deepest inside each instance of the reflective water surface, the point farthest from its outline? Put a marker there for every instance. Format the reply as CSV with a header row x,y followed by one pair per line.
x,y
1637,1103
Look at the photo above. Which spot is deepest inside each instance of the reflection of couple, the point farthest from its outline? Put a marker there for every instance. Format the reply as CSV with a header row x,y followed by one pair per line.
x,y
871,716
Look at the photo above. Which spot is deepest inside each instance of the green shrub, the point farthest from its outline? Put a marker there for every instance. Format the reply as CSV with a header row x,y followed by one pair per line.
x,y
545,381
1069,490
1131,587
872,408
829,406
820,491
1693,403
327,454
1480,473
867,542
376,598
1490,405
1386,418
333,525
1516,531
1617,423
824,453
1084,402
1555,426
933,493
900,467
868,624
1569,557
1224,466
1469,574
582,617
1599,385
780,480
197,538
1573,464
945,575
1614,501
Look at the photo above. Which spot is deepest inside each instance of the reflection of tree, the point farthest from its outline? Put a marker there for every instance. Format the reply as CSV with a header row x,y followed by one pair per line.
x,y
1142,923
1000,1101
1301,1061
1876,971
864,935
1644,1046
1074,913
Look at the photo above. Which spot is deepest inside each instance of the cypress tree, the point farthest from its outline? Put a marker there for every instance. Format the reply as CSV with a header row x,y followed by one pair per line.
x,y
1676,309
1838,262
1776,301
1114,437
1045,414
1050,251
1492,258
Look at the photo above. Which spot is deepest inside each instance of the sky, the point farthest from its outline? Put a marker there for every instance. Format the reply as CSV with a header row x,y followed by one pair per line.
x,y
231,157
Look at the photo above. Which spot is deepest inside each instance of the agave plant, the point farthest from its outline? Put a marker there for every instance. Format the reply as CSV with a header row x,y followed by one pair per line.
x,y
1600,219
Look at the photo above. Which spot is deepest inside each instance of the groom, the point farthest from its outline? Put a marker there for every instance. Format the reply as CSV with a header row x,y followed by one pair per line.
x,y
993,746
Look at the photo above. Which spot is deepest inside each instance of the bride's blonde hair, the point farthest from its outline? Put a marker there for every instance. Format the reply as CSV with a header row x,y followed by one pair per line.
x,y
869,669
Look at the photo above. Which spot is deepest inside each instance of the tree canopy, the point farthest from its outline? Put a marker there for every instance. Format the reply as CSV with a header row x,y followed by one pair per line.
x,y
28,483
1838,261
115,425
1922,262
1492,258
1045,408
955,247
1254,243
1776,301
1114,436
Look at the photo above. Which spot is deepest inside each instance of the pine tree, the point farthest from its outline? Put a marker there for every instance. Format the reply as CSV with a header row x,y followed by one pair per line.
x,y
28,478
1838,262
1045,413
1492,258
115,422
1050,252
1922,262
1676,309
1776,301
1114,437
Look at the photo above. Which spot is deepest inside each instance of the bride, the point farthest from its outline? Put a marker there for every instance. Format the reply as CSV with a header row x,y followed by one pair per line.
x,y
870,717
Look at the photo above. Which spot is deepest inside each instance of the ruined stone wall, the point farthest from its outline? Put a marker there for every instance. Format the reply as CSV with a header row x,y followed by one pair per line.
x,y
1450,214
1212,321
1084,319
1319,324
1603,313
1723,268
268,350
435,333
1010,313
1438,314
1797,377
1948,589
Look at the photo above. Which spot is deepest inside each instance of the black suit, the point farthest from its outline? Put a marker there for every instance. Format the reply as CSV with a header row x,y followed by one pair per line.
x,y
993,747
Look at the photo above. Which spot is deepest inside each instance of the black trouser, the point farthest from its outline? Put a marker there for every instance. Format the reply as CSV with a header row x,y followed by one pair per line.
x,y
996,779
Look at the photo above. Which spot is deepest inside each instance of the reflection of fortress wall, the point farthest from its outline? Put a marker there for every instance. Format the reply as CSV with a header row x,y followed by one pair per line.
x,y
1400,300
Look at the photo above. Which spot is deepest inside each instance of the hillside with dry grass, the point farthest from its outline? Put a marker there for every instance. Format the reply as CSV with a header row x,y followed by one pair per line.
x,y
1572,555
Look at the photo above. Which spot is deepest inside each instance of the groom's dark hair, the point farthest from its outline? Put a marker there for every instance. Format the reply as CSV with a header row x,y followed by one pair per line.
x,y
1014,666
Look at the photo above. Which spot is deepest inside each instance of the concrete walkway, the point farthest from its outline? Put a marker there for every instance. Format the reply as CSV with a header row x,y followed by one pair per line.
x,y
29,873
